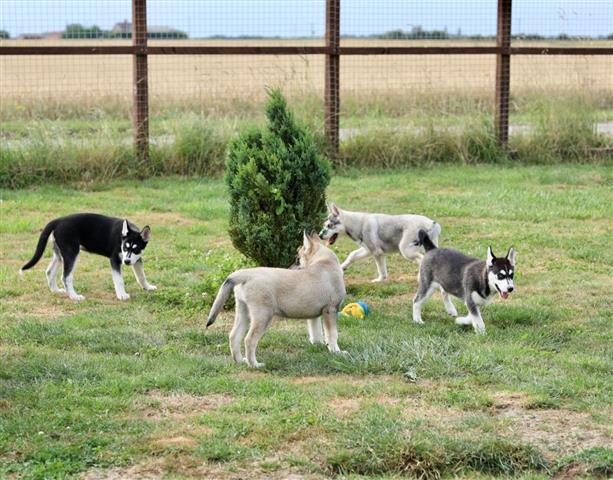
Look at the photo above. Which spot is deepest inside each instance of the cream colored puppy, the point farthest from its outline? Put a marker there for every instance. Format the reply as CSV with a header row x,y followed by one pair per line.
x,y
310,292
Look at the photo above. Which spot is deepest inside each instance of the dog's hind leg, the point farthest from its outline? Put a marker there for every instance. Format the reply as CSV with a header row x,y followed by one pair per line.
x,y
449,307
381,268
52,269
70,262
355,255
315,331
241,323
260,318
332,331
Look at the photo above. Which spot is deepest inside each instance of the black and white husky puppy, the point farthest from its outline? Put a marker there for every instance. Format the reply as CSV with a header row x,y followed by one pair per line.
x,y
115,238
473,280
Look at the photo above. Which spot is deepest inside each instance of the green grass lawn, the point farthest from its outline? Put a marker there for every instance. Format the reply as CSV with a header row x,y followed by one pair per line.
x,y
139,389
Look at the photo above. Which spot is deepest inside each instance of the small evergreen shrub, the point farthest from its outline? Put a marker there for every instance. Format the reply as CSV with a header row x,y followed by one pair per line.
x,y
277,181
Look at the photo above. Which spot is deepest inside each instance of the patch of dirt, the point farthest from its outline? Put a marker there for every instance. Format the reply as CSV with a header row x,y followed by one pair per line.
x,y
338,379
12,350
152,470
165,218
190,467
344,406
46,311
555,431
178,406
178,441
572,471
388,400
416,407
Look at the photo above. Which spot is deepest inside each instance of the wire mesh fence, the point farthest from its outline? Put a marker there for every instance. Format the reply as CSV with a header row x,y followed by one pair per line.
x,y
391,64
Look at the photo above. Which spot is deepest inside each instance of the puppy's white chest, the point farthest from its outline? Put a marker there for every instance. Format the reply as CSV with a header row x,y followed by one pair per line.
x,y
479,300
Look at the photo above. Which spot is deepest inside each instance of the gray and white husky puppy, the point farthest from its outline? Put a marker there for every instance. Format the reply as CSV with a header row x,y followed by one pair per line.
x,y
314,290
378,234
473,280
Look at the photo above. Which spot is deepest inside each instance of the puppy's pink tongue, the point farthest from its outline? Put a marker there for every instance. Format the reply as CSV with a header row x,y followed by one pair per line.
x,y
504,295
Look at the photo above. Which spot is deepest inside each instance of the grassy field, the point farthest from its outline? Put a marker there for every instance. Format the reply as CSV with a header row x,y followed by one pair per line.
x,y
103,389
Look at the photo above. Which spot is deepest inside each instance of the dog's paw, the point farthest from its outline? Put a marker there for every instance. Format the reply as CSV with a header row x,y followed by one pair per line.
x,y
378,280
464,321
255,364
58,290
419,321
335,349
77,297
479,330
123,296
452,311
150,288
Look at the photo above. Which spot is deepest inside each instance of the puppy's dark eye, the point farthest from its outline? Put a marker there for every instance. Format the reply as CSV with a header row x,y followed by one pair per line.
x,y
500,276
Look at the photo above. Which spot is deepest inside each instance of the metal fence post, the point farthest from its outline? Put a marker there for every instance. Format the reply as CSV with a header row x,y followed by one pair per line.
x,y
332,73
141,84
503,71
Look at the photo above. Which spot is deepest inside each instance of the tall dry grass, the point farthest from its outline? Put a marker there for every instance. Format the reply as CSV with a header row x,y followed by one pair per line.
x,y
40,85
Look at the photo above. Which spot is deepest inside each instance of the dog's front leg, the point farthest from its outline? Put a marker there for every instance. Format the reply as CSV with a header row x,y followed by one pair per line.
x,y
355,255
120,289
139,273
473,318
449,306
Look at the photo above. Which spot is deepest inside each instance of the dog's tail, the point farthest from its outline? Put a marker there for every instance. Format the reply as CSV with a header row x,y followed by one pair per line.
x,y
42,243
222,297
425,241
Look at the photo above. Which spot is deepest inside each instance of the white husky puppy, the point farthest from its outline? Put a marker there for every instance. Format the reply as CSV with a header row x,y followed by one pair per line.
x,y
378,234
314,290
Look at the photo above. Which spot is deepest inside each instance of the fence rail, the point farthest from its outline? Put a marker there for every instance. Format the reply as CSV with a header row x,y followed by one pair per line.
x,y
331,49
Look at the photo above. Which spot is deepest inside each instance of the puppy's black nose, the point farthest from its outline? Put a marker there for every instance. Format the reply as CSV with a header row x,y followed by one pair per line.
x,y
510,289
127,262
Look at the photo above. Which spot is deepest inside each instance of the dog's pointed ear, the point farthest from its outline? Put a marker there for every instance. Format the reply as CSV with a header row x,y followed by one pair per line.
x,y
511,256
334,210
490,256
146,233
124,228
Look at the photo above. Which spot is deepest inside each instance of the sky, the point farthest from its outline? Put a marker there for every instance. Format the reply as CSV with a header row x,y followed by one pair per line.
x,y
305,18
